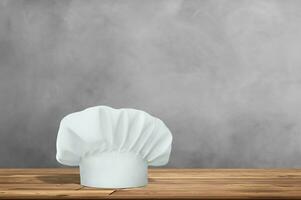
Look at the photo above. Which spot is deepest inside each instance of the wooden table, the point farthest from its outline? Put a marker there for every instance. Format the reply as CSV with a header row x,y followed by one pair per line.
x,y
63,183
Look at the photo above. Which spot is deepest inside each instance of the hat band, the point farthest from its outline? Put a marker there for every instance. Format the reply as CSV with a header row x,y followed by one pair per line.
x,y
113,170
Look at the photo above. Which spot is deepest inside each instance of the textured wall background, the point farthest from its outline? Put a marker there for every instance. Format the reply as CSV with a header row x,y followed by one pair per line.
x,y
225,76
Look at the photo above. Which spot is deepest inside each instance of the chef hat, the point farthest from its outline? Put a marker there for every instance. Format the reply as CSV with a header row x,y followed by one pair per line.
x,y
113,147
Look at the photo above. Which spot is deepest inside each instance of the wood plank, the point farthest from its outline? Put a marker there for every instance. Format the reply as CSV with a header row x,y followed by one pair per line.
x,y
54,194
30,186
56,183
38,171
63,183
218,184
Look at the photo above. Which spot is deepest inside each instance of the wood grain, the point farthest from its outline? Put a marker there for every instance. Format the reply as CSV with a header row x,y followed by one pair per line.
x,y
63,183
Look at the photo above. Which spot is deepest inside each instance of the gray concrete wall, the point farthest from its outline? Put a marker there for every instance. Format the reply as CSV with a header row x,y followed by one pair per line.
x,y
225,76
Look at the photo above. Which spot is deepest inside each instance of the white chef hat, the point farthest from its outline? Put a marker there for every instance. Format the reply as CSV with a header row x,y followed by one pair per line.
x,y
113,147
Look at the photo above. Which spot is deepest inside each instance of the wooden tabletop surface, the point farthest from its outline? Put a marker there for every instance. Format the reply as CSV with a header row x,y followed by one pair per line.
x,y
63,183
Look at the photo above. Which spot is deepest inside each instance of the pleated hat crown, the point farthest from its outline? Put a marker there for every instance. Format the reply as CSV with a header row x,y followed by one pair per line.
x,y
113,147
